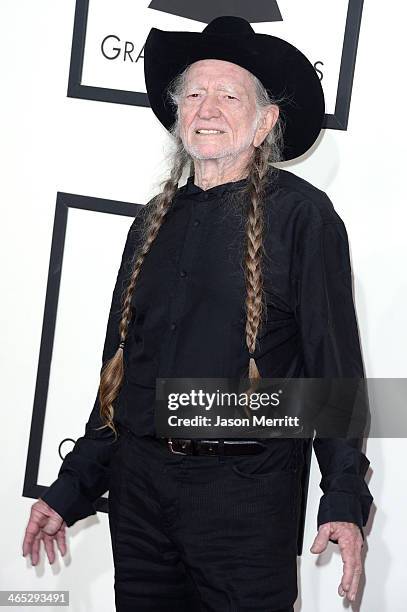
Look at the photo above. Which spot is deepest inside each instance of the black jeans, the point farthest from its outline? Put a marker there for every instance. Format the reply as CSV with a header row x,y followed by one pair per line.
x,y
204,534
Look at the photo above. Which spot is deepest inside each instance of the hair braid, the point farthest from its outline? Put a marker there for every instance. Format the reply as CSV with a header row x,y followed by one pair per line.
x,y
155,211
257,180
260,173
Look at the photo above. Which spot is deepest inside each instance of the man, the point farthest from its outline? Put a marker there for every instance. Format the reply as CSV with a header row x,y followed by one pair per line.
x,y
232,519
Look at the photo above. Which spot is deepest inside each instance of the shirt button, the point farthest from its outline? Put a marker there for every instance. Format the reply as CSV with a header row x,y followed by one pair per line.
x,y
182,273
206,196
196,222
173,326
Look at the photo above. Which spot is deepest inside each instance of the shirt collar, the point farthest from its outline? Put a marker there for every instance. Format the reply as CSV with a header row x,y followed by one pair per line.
x,y
190,189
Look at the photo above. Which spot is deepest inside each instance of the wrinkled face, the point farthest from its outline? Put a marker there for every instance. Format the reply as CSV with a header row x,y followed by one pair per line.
x,y
217,110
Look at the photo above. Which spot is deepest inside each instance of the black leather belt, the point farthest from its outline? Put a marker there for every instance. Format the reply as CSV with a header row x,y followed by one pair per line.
x,y
186,446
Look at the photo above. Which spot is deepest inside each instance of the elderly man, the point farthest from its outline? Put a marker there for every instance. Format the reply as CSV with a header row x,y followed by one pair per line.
x,y
242,271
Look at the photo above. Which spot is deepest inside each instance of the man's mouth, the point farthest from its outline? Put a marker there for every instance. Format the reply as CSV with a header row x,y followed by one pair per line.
x,y
207,132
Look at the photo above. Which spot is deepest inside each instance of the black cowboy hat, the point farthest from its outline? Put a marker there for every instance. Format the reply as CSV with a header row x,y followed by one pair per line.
x,y
281,67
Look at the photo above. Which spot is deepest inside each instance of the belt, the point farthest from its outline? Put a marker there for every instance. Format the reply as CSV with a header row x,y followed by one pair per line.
x,y
186,446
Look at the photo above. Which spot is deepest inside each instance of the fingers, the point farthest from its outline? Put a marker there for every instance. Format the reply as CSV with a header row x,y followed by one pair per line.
x,y
348,569
36,521
350,544
49,547
35,553
321,539
61,539
355,582
350,580
31,532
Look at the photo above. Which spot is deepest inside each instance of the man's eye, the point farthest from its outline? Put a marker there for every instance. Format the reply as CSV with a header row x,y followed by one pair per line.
x,y
193,94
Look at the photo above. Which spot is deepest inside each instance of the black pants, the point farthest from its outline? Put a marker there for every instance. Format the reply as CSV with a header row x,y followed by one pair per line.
x,y
204,534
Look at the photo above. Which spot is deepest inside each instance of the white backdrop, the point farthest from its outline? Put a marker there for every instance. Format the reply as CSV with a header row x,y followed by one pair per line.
x,y
51,143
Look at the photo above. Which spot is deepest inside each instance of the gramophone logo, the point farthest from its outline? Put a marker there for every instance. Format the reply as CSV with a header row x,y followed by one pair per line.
x,y
255,11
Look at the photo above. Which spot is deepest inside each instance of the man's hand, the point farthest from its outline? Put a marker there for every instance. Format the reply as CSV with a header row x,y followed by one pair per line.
x,y
47,525
350,542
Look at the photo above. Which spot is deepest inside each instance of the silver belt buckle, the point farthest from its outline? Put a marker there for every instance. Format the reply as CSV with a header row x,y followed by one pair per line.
x,y
170,446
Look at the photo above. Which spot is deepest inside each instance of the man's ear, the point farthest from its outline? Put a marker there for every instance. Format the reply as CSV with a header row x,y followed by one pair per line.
x,y
267,121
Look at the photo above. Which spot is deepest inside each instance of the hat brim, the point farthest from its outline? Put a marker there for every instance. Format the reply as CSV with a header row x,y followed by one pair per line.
x,y
282,68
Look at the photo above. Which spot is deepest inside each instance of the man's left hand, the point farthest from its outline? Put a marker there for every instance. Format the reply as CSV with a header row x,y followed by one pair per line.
x,y
350,542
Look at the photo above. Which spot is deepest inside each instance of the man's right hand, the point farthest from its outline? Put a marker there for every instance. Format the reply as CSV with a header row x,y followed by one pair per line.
x,y
47,525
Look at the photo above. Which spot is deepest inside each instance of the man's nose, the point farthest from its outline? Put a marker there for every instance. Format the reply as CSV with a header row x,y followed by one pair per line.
x,y
209,107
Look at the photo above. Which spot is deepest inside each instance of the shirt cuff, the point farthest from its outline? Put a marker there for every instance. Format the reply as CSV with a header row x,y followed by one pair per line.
x,y
339,506
65,497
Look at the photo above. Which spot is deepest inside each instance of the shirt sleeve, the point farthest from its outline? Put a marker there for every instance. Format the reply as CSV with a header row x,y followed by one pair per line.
x,y
84,474
331,349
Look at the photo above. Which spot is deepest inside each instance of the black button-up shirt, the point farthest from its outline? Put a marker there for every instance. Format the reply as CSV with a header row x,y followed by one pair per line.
x,y
189,321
